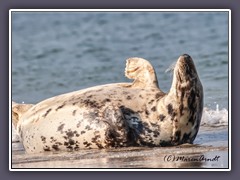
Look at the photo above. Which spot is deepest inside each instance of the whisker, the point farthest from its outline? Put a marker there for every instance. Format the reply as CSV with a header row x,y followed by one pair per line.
x,y
171,67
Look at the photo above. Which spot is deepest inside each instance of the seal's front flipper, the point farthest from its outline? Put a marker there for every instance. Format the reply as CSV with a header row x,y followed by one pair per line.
x,y
18,110
142,72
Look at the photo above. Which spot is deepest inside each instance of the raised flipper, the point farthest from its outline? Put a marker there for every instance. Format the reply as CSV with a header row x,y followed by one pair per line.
x,y
142,72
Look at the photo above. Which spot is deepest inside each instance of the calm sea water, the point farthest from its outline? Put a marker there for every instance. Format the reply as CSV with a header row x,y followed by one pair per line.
x,y
59,52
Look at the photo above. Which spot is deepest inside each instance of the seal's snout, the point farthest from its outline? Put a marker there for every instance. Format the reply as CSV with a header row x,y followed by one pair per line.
x,y
185,60
186,56
185,69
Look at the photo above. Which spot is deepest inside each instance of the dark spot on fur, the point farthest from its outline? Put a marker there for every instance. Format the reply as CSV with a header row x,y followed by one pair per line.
x,y
88,127
82,132
156,133
94,139
155,82
145,124
43,139
60,128
76,148
47,112
155,125
100,146
192,106
149,130
129,97
71,142
126,111
69,133
158,95
46,148
59,107
177,136
74,112
147,112
183,91
70,148
58,143
181,109
173,115
140,96
55,147
87,144
165,143
90,96
91,103
161,117
191,119
78,124
139,112
53,140
97,141
170,109
151,101
107,100
153,109
186,138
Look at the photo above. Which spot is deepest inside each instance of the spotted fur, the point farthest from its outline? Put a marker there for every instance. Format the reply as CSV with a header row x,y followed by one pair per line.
x,y
117,115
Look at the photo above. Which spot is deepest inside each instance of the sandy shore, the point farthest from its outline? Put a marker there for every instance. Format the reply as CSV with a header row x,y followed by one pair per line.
x,y
208,154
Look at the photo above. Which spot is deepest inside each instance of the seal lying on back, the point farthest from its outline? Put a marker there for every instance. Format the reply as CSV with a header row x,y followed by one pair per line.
x,y
117,115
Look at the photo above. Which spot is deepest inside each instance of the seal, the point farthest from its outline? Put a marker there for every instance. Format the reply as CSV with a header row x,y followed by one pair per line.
x,y
117,115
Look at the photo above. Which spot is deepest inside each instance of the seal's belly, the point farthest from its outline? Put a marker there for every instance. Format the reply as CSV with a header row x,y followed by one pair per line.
x,y
97,118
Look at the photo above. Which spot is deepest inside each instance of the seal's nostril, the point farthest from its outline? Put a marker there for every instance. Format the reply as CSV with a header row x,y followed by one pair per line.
x,y
186,56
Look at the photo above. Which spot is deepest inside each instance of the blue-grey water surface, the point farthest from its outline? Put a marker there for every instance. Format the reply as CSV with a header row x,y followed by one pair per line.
x,y
58,52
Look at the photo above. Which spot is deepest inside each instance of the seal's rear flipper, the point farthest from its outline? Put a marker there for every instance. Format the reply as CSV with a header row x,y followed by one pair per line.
x,y
142,72
18,110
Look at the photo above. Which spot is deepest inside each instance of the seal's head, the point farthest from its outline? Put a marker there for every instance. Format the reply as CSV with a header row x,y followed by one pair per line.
x,y
185,74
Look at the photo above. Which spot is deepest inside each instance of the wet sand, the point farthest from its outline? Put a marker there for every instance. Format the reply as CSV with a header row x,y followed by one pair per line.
x,y
207,152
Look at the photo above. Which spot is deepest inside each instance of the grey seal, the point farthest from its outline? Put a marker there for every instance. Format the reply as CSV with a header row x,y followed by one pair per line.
x,y
118,114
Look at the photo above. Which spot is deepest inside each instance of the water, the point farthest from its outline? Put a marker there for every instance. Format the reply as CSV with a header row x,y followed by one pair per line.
x,y
59,52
